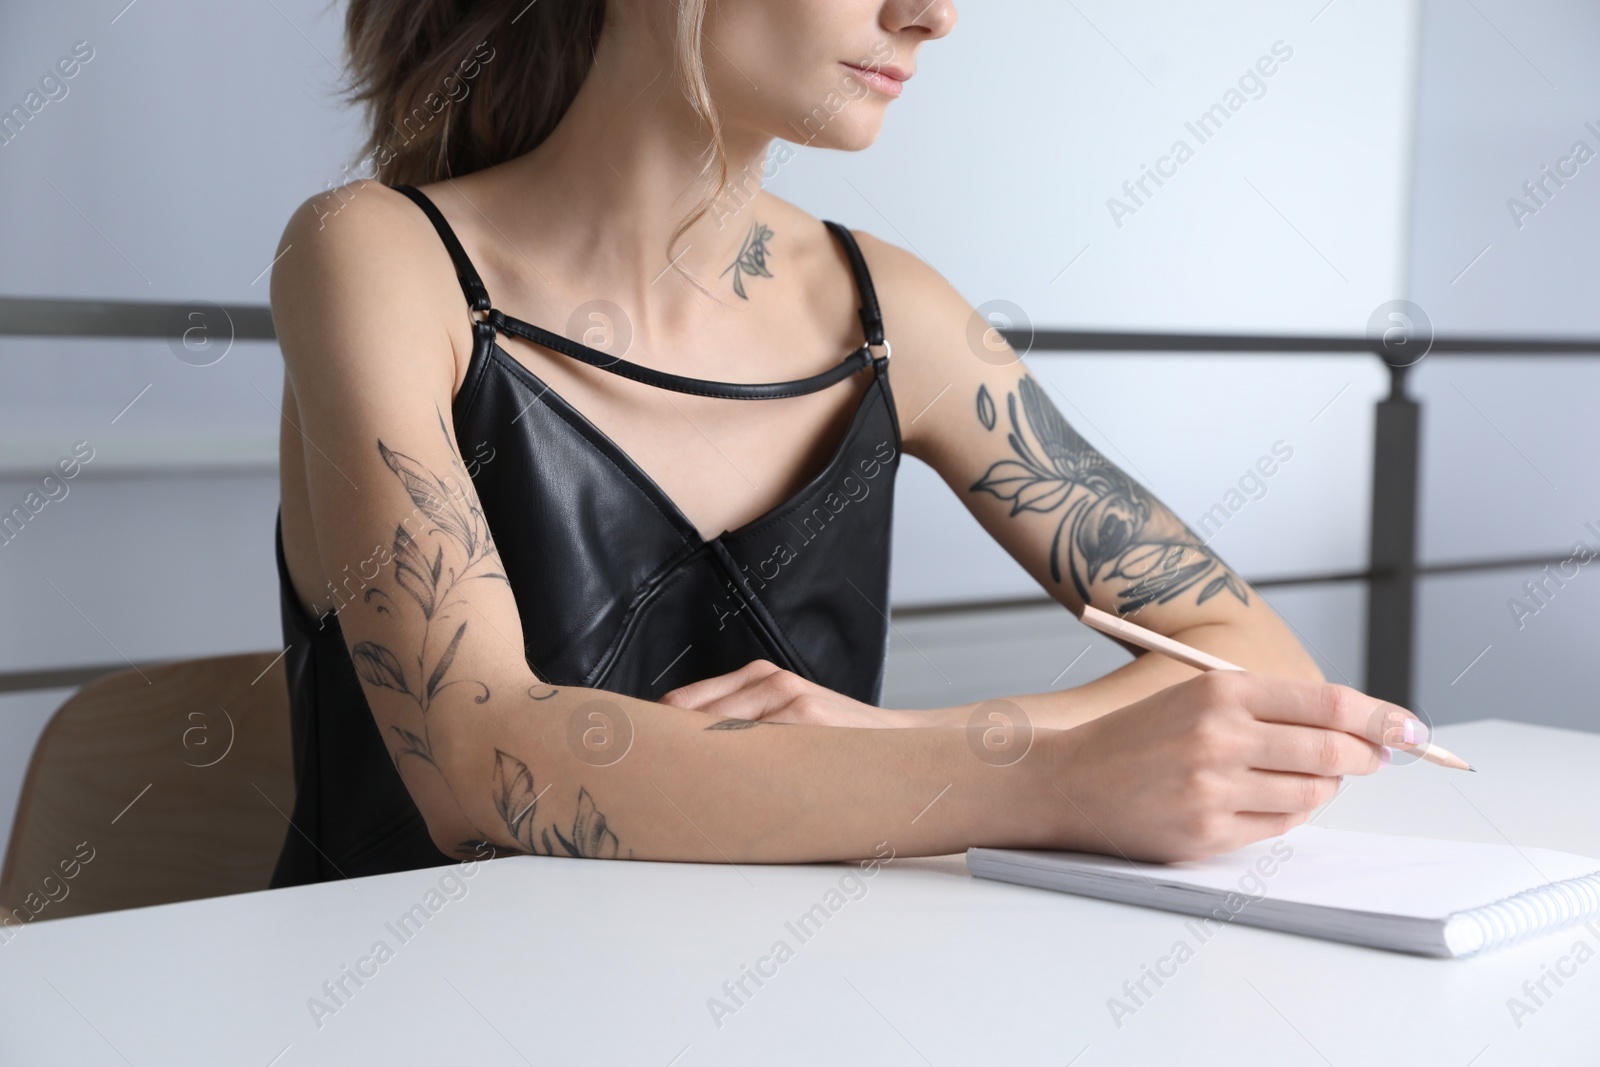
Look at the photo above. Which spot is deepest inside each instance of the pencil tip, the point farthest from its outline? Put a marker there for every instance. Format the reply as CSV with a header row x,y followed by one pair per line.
x,y
1474,770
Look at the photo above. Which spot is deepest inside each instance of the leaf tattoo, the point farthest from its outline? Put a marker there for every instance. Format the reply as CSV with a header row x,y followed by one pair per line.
x,y
413,571
985,407
378,666
514,797
591,839
412,745
429,582
443,665
516,802
752,258
429,576
1111,529
740,724
436,500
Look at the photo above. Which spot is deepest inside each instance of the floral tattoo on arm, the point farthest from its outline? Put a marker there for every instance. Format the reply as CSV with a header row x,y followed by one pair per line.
x,y
452,518
1111,529
452,546
517,802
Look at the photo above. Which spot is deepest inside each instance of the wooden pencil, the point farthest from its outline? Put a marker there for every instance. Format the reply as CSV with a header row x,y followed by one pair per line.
x,y
1134,634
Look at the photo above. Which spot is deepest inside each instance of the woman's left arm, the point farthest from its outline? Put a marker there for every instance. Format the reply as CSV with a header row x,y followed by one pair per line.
x,y
1085,530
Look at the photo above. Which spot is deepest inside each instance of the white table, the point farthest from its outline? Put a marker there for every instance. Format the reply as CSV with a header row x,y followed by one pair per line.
x,y
548,961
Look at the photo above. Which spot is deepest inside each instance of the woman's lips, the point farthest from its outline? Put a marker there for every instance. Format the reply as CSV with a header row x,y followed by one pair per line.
x,y
877,79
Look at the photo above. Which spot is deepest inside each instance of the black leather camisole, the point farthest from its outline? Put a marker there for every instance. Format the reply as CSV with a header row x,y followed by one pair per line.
x,y
616,589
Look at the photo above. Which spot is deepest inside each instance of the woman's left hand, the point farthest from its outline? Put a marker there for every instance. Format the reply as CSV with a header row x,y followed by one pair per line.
x,y
761,691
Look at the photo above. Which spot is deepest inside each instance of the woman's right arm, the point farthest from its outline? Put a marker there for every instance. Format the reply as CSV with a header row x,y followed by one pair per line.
x,y
492,754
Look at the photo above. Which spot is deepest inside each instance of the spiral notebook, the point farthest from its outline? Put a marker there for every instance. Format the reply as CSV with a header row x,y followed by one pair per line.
x,y
1410,894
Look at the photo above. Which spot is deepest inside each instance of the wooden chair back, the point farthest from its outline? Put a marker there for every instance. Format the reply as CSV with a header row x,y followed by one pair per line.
x,y
151,786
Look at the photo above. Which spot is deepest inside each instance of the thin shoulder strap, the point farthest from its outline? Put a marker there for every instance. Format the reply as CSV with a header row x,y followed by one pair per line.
x,y
855,361
478,299
471,284
871,316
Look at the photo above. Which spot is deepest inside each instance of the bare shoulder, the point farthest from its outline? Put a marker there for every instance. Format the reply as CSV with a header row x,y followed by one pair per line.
x,y
916,287
915,299
361,271
935,334
364,225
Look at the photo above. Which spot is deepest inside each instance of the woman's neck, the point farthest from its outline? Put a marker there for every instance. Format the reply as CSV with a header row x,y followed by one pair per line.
x,y
619,173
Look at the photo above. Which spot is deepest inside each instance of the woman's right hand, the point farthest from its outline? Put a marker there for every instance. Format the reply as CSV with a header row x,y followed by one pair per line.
x,y
1214,763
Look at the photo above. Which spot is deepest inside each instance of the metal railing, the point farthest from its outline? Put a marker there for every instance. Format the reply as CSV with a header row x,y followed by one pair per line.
x,y
1392,571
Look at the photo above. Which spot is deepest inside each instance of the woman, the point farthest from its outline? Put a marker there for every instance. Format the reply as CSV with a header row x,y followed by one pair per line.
x,y
513,623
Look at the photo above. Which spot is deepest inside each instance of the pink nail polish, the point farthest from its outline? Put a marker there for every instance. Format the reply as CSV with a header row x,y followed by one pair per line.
x,y
1385,755
1414,731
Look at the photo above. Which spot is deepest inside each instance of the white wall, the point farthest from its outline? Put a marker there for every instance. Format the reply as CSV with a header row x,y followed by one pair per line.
x,y
1506,88
167,173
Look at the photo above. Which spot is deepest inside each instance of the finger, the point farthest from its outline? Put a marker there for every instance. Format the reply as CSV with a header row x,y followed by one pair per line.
x,y
1287,700
1278,791
696,695
1401,730
1312,750
760,699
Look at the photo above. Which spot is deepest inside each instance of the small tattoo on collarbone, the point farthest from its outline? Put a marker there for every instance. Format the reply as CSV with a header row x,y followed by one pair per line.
x,y
752,258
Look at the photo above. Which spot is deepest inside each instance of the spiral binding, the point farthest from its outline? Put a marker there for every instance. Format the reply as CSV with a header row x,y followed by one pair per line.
x,y
1532,911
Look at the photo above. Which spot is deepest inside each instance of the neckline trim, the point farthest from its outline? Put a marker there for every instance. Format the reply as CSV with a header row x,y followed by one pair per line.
x,y
490,352
853,362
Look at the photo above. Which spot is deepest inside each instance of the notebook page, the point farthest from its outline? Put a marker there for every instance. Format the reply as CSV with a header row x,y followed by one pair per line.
x,y
1350,870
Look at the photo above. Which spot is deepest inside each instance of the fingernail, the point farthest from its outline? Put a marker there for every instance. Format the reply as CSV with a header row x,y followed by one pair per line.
x,y
1415,731
1385,754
